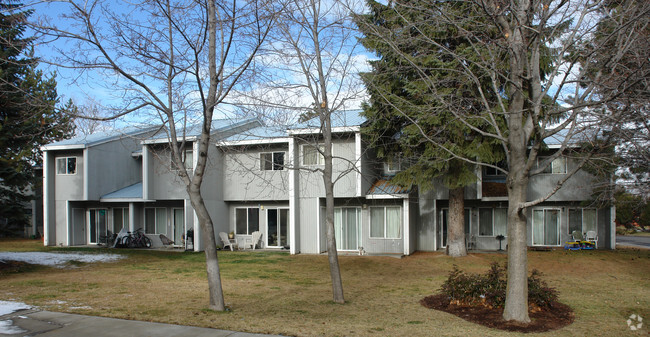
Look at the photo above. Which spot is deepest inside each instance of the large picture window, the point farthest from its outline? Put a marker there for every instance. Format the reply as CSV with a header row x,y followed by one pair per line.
x,y
273,161
155,220
493,221
66,165
582,220
385,222
247,220
312,155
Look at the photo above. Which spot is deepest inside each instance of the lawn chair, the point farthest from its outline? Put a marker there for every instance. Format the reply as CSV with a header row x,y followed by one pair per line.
x,y
592,238
226,241
255,238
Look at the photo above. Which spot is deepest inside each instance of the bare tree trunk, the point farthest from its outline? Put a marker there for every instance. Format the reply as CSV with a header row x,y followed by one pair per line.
x,y
456,229
332,254
211,260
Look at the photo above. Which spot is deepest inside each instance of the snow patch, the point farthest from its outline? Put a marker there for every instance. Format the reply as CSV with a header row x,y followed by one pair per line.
x,y
7,328
8,307
57,259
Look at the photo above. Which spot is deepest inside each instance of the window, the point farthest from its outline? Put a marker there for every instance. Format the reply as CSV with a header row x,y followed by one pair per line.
x,y
67,165
557,166
120,219
187,156
582,220
494,171
155,221
312,155
272,161
393,164
385,222
493,221
247,220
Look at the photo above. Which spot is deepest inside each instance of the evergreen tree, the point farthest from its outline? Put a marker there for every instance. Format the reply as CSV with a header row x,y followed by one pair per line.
x,y
409,118
29,118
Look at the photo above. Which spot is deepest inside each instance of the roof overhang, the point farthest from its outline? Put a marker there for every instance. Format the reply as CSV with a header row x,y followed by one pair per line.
x,y
310,131
387,196
277,140
63,147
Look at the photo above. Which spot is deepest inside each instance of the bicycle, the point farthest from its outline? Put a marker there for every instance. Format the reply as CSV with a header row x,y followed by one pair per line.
x,y
136,239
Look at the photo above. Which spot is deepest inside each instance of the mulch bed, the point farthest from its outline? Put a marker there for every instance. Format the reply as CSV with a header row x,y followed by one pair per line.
x,y
7,267
556,317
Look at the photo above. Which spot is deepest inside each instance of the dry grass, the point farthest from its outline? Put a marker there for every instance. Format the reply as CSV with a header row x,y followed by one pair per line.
x,y
291,295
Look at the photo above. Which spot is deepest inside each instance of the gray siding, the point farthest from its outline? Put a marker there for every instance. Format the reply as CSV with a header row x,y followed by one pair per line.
x,y
112,167
244,180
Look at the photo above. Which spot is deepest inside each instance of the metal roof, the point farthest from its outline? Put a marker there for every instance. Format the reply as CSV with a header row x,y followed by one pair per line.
x,y
193,131
131,192
96,138
340,119
260,134
385,187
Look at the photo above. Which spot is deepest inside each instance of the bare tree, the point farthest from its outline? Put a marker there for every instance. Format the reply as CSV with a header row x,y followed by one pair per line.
x,y
311,73
529,100
173,61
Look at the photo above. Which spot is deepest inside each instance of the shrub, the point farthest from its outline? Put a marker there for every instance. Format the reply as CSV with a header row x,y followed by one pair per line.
x,y
489,289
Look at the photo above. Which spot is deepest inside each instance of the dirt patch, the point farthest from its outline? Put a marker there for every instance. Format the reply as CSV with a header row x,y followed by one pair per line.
x,y
8,267
557,316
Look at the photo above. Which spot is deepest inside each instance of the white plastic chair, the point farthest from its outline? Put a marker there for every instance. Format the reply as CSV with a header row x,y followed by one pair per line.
x,y
255,238
226,241
593,237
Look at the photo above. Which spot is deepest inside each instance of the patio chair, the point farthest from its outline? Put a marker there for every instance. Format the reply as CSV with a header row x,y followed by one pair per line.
x,y
226,241
577,236
470,239
592,237
255,238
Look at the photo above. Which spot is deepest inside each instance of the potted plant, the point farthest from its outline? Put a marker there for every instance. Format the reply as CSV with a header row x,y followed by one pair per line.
x,y
231,235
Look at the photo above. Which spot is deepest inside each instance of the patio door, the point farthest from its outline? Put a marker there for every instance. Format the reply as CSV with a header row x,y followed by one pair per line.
x,y
178,222
546,227
96,225
277,225
346,228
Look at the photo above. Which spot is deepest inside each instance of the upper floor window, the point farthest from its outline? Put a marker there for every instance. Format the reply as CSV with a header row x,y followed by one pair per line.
x,y
494,171
393,164
312,155
273,161
557,166
66,165
187,156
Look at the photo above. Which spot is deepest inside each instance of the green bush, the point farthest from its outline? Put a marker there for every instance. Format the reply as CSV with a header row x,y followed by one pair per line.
x,y
490,288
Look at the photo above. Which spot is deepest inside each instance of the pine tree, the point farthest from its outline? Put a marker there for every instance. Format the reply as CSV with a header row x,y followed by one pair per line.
x,y
407,115
29,117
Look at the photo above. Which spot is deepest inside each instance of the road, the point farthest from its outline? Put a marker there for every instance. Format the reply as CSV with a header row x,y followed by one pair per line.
x,y
633,241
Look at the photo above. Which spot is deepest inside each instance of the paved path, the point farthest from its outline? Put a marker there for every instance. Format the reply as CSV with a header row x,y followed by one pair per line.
x,y
633,241
56,324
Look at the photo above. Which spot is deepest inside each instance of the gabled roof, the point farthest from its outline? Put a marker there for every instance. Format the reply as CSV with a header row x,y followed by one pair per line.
x,y
342,121
193,132
97,138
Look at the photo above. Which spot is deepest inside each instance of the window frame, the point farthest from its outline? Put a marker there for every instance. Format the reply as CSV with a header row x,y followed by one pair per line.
x,y
544,211
583,230
400,225
67,166
492,211
155,223
184,155
320,158
549,169
248,227
274,166
396,161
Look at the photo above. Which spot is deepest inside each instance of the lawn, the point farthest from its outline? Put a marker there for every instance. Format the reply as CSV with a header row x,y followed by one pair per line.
x,y
271,292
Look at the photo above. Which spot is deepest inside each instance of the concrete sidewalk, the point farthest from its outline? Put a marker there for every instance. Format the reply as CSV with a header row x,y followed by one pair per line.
x,y
54,324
